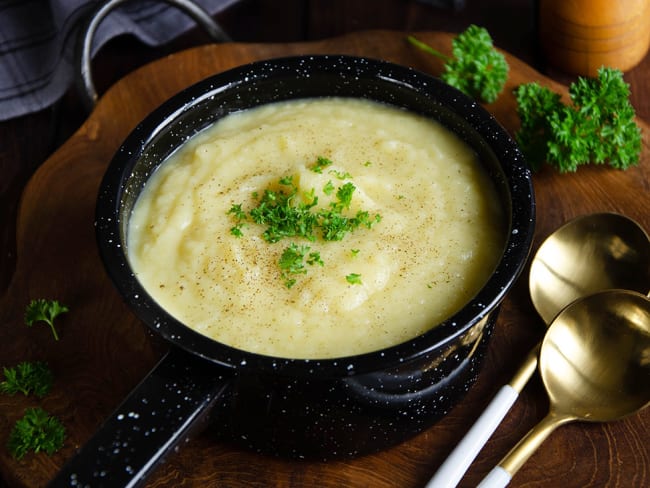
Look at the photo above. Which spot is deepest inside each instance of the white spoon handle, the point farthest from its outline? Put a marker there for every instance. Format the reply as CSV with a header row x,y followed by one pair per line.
x,y
454,467
497,478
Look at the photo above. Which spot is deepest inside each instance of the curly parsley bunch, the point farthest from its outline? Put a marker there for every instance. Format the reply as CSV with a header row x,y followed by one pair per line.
x,y
36,431
476,68
597,127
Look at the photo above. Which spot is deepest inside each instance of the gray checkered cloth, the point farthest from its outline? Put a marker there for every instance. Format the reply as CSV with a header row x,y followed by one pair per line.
x,y
38,37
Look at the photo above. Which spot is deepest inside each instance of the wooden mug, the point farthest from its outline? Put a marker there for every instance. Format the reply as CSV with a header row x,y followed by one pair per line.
x,y
580,36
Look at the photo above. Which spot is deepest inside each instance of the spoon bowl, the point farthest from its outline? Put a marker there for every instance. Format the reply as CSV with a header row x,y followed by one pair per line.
x,y
595,366
588,254
595,358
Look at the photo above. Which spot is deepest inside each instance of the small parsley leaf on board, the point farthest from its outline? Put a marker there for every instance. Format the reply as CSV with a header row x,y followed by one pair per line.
x,y
27,377
42,310
36,431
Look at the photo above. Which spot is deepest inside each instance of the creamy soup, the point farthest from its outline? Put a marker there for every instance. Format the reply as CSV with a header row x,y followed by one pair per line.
x,y
403,228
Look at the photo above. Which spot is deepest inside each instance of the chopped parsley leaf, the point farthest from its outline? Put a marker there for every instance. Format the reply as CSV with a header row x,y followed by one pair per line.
x,y
344,194
321,163
314,258
237,211
340,174
236,230
353,278
283,218
240,217
292,262
328,188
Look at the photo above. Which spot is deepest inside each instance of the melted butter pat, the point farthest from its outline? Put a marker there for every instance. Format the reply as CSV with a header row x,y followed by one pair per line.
x,y
441,233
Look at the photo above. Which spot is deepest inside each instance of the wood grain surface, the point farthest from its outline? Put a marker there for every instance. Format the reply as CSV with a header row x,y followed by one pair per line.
x,y
104,351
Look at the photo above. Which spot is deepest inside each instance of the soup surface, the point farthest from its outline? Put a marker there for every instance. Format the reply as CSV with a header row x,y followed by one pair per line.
x,y
317,228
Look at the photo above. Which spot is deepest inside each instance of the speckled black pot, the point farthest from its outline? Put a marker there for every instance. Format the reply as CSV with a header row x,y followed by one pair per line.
x,y
300,408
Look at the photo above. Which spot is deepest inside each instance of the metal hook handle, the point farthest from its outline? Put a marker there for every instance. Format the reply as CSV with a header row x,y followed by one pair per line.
x,y
83,55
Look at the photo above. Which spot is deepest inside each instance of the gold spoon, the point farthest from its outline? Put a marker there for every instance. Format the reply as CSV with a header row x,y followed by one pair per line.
x,y
595,365
588,254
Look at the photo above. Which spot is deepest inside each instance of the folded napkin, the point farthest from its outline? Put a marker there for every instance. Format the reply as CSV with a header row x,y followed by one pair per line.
x,y
38,37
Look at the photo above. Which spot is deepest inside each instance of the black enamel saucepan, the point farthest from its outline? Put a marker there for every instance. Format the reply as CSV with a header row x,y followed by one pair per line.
x,y
318,409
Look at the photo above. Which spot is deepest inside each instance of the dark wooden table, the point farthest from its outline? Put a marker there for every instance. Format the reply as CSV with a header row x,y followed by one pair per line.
x,y
614,455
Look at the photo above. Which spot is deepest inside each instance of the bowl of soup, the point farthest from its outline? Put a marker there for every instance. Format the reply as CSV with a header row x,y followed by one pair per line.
x,y
322,243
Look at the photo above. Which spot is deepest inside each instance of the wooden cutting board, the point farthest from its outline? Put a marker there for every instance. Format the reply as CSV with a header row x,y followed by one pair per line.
x,y
104,351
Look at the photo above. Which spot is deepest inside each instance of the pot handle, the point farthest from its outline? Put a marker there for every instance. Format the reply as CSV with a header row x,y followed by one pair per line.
x,y
84,45
172,403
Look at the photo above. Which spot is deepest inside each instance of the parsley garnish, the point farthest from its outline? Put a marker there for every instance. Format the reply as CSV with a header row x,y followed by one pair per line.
x,y
340,175
289,212
344,194
476,68
292,262
328,188
285,216
36,431
240,217
27,377
321,163
42,310
236,230
314,258
353,279
598,126
237,211
283,213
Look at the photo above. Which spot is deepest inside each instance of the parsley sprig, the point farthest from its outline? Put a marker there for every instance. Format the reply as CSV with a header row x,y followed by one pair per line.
x,y
42,310
27,377
476,68
598,126
36,431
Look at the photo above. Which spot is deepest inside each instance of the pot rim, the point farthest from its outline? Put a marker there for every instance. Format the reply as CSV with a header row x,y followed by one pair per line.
x,y
110,228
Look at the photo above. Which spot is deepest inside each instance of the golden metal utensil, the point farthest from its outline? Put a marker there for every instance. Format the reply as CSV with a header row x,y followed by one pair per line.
x,y
595,365
588,254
